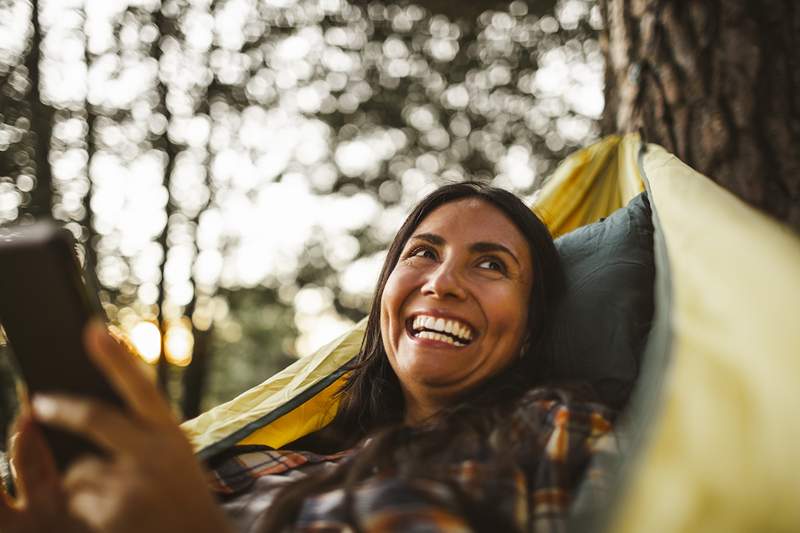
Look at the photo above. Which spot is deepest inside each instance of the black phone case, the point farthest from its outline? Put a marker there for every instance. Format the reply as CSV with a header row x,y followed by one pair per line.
x,y
44,307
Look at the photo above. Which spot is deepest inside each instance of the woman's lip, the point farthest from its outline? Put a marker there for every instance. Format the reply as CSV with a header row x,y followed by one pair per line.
x,y
431,342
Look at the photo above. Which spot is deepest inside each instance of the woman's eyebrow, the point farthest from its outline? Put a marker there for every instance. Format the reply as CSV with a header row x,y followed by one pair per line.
x,y
480,247
483,247
429,237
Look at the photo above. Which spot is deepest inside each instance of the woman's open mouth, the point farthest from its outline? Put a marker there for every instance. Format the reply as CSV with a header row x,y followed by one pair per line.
x,y
445,330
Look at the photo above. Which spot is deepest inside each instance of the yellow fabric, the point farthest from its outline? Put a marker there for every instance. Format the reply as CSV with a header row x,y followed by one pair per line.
x,y
723,454
590,184
222,421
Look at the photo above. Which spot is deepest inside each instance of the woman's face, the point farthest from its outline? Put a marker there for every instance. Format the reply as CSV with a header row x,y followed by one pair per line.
x,y
454,309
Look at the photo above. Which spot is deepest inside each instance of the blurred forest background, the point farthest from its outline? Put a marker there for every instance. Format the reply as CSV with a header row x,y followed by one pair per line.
x,y
233,169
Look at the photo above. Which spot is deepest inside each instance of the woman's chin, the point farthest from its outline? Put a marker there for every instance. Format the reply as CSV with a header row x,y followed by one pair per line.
x,y
432,363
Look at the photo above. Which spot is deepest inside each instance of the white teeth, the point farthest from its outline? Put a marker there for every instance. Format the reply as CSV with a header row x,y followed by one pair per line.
x,y
445,326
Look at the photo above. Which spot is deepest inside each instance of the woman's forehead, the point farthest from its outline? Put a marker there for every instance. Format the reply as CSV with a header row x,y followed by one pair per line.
x,y
475,220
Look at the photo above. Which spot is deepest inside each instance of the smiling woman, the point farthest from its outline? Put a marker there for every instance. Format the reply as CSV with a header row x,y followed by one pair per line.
x,y
467,267
445,423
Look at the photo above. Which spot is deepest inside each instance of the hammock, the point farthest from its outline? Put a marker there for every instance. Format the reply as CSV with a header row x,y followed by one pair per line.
x,y
712,424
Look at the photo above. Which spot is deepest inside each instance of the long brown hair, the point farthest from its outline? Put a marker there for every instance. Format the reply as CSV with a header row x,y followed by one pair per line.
x,y
372,401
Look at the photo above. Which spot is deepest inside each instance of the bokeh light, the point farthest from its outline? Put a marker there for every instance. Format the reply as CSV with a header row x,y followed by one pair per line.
x,y
146,339
179,342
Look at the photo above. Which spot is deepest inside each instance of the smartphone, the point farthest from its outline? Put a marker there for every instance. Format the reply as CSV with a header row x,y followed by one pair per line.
x,y
44,307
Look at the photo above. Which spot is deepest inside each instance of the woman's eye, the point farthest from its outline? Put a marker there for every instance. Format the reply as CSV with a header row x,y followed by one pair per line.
x,y
493,264
422,252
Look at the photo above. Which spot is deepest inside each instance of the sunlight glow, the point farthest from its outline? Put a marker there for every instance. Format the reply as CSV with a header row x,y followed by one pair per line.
x,y
179,342
146,338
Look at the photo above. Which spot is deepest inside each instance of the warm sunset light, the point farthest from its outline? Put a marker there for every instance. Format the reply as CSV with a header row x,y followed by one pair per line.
x,y
179,342
147,340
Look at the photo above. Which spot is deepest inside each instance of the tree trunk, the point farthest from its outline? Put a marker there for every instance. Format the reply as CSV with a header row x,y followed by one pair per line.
x,y
171,153
716,83
196,374
42,126
90,252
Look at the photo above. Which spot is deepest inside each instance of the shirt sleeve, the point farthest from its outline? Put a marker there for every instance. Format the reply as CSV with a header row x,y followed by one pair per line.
x,y
575,434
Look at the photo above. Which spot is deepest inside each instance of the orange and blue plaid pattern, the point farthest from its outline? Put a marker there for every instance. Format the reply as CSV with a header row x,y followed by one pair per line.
x,y
534,496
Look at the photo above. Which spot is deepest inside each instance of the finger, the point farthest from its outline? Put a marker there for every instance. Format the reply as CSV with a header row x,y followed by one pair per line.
x,y
116,361
88,491
37,476
103,424
86,473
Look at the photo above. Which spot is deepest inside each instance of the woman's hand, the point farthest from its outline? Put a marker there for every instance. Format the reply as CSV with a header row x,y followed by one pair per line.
x,y
151,480
40,504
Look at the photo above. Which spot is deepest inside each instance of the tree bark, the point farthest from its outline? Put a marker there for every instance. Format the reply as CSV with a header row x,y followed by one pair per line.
x,y
716,83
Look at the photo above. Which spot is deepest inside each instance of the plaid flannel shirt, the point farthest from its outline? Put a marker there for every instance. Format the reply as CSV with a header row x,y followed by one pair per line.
x,y
535,496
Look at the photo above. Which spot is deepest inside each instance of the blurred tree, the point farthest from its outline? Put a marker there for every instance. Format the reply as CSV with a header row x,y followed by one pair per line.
x,y
167,30
195,377
91,237
716,83
41,125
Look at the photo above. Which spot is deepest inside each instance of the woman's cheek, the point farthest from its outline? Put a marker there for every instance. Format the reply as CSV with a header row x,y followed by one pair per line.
x,y
390,311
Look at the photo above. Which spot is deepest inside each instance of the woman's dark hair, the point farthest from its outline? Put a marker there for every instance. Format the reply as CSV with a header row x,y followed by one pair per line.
x,y
372,402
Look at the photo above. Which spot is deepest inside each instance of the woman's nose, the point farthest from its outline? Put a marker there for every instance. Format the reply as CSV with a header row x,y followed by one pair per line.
x,y
444,282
